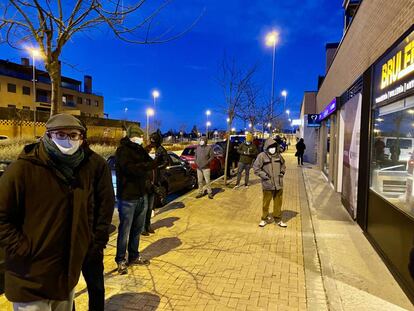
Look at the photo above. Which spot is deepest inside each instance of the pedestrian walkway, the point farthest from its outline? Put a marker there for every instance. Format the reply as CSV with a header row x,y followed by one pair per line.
x,y
211,255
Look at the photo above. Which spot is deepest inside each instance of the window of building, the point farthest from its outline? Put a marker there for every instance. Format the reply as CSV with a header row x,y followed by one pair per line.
x,y
11,88
87,101
96,115
96,103
26,90
12,106
79,101
392,167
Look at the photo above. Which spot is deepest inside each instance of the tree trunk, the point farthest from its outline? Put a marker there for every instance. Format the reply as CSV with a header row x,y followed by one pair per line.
x,y
55,79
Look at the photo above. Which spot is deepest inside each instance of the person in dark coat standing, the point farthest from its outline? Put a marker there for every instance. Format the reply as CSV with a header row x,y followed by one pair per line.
x,y
162,158
133,166
248,152
300,150
203,157
56,205
270,167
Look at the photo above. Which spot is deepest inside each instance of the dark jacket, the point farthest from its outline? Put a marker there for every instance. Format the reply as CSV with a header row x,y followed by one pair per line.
x,y
270,168
48,225
133,166
162,159
247,153
204,155
300,147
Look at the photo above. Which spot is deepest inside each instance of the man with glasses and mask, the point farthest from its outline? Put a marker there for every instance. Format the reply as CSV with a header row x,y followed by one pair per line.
x,y
270,167
133,167
56,205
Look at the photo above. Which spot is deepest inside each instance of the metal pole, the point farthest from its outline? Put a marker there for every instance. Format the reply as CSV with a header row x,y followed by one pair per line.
x,y
273,82
34,95
155,120
147,127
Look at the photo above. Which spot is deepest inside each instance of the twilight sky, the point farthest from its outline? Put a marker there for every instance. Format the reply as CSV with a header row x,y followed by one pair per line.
x,y
185,70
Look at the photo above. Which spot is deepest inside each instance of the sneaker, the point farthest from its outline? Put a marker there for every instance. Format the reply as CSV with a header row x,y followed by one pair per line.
x,y
236,186
122,268
139,261
210,196
263,223
282,224
200,195
146,233
246,186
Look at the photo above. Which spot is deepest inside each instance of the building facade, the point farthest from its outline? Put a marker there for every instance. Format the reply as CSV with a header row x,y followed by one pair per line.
x,y
366,143
16,91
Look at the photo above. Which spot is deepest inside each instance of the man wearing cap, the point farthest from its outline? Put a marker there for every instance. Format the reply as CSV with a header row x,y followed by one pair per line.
x,y
133,165
248,152
56,204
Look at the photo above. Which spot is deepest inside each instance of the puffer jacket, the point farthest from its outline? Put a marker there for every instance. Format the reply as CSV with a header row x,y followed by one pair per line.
x,y
270,168
48,225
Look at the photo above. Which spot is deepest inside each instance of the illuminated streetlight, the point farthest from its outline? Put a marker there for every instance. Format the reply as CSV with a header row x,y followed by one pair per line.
x,y
208,124
233,129
208,113
155,95
150,112
35,54
269,125
288,112
250,125
272,39
284,94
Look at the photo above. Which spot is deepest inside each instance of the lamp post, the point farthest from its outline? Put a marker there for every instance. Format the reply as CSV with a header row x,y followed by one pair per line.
x,y
208,113
35,53
271,40
155,95
284,94
150,113
208,124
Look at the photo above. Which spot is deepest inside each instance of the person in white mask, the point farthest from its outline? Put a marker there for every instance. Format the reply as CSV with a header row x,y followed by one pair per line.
x,y
56,206
270,167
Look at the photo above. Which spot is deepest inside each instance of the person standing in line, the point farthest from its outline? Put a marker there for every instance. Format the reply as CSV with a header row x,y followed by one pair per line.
x,y
133,166
248,152
56,204
300,150
270,167
162,158
203,157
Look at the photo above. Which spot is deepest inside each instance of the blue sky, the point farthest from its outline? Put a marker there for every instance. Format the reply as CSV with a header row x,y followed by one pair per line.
x,y
185,70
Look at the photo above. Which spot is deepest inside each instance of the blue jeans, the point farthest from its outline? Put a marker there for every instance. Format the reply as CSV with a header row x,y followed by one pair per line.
x,y
131,224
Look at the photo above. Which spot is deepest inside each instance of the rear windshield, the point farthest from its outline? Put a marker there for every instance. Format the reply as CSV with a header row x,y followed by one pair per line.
x,y
403,143
188,152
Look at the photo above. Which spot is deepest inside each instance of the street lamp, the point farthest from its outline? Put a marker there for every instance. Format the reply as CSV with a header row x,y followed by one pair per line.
x,y
233,129
35,54
155,95
208,124
284,94
271,40
288,112
150,113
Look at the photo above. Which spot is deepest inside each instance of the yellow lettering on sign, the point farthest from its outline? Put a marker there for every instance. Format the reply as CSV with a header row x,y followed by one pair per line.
x,y
408,54
384,77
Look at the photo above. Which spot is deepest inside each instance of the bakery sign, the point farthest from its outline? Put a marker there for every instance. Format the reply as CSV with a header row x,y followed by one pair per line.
x,y
394,72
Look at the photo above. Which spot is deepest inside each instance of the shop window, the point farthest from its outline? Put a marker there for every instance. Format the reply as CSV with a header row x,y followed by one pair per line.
x,y
88,101
11,88
79,101
392,157
26,90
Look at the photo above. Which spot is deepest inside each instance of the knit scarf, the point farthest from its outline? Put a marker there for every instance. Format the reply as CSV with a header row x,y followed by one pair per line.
x,y
65,164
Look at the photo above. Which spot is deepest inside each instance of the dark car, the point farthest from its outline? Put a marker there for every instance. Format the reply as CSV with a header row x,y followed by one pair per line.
x,y
216,166
177,176
3,166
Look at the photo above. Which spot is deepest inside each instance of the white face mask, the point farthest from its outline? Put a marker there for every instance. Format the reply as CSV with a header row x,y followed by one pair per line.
x,y
248,142
137,140
272,150
202,142
67,146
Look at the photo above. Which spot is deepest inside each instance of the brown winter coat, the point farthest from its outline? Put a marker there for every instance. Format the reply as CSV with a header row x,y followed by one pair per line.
x,y
47,225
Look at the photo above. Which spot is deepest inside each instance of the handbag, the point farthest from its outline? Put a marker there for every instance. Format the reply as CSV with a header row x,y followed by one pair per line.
x,y
296,154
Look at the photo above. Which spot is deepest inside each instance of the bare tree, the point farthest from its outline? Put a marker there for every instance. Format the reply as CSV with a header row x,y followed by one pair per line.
x,y
233,82
51,24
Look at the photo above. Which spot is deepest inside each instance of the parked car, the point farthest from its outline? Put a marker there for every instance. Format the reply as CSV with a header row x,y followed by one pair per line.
x,y
216,166
177,176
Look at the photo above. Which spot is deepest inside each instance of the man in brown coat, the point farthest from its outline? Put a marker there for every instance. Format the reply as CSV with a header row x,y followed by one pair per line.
x,y
56,204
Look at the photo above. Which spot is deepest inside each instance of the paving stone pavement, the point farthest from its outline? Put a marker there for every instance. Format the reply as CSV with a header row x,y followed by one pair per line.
x,y
211,255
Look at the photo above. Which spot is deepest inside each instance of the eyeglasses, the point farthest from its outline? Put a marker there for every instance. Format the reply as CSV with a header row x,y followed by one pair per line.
x,y
65,136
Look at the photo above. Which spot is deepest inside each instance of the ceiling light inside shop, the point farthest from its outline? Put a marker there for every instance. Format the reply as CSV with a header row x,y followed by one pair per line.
x,y
410,111
379,119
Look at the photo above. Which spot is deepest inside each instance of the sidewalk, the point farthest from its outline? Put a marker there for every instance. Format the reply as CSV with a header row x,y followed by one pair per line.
x,y
211,255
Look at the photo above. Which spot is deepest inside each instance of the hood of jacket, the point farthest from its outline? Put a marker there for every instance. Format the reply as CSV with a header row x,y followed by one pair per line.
x,y
269,143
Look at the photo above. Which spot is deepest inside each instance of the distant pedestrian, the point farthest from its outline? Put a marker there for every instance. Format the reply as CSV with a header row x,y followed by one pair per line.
x,y
133,167
285,141
300,151
203,157
56,205
270,167
162,158
248,152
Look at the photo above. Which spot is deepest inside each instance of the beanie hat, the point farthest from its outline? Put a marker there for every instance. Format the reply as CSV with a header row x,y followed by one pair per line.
x,y
64,121
249,137
134,131
156,138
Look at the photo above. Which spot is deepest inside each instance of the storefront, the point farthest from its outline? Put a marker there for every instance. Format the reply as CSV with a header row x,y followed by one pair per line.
x,y
390,213
327,119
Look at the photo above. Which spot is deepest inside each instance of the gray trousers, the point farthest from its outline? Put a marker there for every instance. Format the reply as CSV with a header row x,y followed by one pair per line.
x,y
243,167
203,177
46,305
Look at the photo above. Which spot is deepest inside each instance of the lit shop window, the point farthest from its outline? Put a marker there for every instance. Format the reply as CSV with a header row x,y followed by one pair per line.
x,y
392,156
